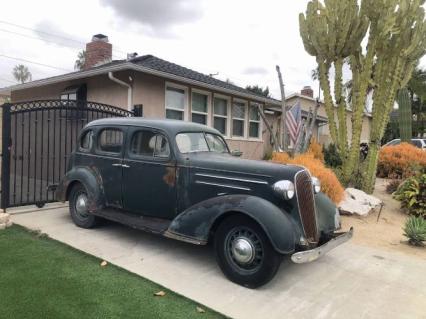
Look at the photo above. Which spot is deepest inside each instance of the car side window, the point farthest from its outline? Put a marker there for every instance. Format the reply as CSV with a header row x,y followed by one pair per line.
x,y
148,143
110,140
86,141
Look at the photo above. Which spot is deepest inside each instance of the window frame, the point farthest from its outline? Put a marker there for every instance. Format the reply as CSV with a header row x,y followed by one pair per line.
x,y
98,150
186,100
245,133
209,104
228,113
259,122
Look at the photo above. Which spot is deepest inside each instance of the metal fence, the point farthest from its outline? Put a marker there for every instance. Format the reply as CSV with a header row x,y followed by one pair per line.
x,y
38,137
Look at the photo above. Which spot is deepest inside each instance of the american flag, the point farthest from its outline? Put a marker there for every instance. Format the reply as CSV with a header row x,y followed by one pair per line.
x,y
293,121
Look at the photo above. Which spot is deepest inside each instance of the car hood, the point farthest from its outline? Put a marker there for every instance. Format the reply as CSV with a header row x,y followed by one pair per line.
x,y
235,166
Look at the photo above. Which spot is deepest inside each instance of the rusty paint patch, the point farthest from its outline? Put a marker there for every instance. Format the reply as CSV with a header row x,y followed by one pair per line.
x,y
170,177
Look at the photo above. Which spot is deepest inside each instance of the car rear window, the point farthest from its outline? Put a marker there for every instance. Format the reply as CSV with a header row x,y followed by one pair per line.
x,y
86,141
110,140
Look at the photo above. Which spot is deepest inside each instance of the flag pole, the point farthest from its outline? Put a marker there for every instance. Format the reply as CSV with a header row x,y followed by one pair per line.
x,y
283,137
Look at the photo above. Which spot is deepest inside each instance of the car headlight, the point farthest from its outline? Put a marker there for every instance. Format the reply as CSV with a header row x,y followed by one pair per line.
x,y
284,189
317,184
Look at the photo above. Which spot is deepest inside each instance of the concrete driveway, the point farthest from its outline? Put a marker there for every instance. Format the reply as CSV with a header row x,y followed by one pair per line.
x,y
350,282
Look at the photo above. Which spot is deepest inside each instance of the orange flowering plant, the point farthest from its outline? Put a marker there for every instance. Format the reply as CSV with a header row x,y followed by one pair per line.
x,y
330,185
400,161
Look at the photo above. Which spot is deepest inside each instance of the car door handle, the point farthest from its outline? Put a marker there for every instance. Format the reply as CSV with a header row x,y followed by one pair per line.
x,y
125,166
116,164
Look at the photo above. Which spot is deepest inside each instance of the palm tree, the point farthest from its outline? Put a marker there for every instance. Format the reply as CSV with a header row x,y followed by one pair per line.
x,y
81,60
21,73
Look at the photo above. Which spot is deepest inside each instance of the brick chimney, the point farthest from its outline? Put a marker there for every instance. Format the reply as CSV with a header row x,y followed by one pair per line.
x,y
97,51
307,91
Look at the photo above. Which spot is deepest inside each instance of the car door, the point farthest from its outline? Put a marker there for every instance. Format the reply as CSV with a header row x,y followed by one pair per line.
x,y
149,174
109,155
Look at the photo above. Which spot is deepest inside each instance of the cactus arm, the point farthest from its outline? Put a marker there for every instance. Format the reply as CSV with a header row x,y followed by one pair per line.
x,y
405,115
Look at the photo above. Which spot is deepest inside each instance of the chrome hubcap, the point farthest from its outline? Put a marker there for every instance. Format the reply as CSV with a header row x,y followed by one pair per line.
x,y
243,250
81,205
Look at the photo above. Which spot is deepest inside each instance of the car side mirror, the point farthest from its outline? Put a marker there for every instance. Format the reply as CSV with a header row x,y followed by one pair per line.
x,y
236,153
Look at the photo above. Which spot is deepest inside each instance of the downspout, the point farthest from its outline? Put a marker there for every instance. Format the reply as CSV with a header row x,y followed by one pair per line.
x,y
129,90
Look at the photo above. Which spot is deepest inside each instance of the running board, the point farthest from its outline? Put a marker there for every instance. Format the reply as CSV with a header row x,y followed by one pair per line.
x,y
145,223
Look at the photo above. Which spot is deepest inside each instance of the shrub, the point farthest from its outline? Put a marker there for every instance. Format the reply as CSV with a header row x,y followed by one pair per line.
x,y
400,161
331,156
415,230
316,150
392,186
330,185
412,194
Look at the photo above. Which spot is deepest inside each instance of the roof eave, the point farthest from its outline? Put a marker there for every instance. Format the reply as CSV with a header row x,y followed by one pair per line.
x,y
132,66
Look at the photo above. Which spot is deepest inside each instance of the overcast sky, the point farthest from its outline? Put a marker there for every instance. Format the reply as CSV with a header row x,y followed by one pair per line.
x,y
242,40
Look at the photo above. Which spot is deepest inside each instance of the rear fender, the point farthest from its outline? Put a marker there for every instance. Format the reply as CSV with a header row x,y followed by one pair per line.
x,y
196,223
90,179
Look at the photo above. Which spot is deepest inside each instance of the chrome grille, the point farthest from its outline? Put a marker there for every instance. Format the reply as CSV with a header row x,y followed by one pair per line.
x,y
306,203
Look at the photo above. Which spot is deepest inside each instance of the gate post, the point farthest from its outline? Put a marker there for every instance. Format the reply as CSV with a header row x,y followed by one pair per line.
x,y
5,156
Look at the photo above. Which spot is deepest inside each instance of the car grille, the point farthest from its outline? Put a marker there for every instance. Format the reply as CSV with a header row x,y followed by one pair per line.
x,y
306,203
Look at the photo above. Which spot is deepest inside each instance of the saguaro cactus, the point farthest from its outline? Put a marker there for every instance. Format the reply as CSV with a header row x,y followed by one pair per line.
x,y
405,115
333,33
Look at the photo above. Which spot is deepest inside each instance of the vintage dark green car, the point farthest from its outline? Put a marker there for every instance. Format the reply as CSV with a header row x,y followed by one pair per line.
x,y
180,180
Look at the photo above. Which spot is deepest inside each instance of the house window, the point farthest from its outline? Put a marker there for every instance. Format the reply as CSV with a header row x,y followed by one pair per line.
x,y
175,103
199,108
220,115
254,121
69,96
238,119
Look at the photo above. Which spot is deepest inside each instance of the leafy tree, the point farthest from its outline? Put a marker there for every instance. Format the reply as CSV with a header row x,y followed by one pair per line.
x,y
395,35
81,60
258,90
21,73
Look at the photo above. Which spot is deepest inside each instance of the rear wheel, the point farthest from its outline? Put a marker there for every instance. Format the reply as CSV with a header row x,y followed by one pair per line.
x,y
78,203
244,252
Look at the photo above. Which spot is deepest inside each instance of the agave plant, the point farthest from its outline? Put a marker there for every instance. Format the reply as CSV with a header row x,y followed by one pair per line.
x,y
415,230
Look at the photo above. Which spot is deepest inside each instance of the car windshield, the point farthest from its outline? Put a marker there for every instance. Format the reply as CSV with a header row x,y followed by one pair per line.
x,y
200,142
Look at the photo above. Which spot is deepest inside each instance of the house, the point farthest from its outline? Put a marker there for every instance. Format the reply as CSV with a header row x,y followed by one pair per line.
x,y
163,90
321,131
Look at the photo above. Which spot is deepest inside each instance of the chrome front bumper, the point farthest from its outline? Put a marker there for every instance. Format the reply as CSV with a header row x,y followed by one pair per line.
x,y
313,254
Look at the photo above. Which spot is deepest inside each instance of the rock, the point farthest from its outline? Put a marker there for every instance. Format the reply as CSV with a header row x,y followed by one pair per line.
x,y
4,218
2,226
361,196
9,223
358,202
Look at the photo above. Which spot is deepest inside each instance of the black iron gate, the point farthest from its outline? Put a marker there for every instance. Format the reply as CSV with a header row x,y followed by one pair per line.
x,y
38,137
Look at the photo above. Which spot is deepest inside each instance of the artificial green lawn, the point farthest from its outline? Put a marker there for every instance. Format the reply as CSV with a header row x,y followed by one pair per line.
x,y
43,278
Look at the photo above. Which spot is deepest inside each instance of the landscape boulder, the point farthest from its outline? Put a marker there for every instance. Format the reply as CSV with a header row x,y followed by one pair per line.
x,y
357,202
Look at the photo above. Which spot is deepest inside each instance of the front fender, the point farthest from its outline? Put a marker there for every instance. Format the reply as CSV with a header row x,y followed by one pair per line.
x,y
91,180
196,222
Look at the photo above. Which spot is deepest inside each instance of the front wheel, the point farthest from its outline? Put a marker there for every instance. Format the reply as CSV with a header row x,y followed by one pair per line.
x,y
244,252
78,203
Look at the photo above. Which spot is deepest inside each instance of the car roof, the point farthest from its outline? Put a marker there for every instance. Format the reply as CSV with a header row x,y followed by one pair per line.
x,y
171,127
